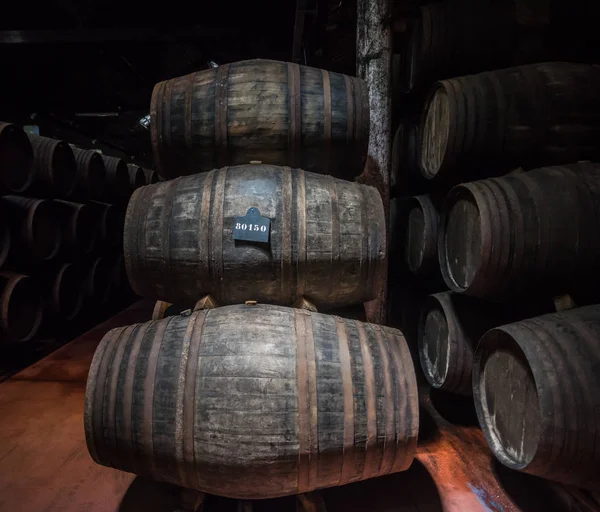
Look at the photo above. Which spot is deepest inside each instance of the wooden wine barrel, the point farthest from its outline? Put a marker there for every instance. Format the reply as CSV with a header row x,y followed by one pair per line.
x,y
308,118
405,178
78,226
55,169
326,239
97,279
110,219
91,174
137,177
525,233
537,394
151,176
117,180
64,293
421,236
16,159
453,38
35,231
541,114
21,307
253,401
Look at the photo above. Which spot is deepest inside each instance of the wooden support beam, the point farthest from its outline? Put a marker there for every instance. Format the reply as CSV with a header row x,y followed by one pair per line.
x,y
373,64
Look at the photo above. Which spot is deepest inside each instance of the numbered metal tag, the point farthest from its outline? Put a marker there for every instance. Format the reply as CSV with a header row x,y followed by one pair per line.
x,y
252,227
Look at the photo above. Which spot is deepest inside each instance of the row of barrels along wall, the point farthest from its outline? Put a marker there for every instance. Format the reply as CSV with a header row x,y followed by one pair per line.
x,y
298,400
492,255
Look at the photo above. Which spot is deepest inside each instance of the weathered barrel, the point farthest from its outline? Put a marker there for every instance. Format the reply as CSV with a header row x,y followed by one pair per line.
x,y
35,232
309,118
253,401
453,38
110,219
97,274
55,169
537,394
21,307
524,233
421,236
91,174
541,114
137,178
78,226
326,240
117,180
16,159
151,176
64,292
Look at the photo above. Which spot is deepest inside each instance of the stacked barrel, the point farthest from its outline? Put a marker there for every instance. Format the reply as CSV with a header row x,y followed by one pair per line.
x,y
496,224
246,390
63,212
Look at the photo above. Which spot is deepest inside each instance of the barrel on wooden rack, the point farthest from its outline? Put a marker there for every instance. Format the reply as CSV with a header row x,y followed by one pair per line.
x,y
21,307
151,176
35,232
325,242
55,169
421,236
16,159
91,174
536,386
535,232
78,226
253,401
529,116
137,178
117,180
309,118
64,292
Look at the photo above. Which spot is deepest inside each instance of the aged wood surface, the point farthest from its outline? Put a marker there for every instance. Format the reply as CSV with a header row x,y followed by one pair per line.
x,y
326,239
90,182
489,123
55,169
274,112
16,159
526,233
253,401
537,393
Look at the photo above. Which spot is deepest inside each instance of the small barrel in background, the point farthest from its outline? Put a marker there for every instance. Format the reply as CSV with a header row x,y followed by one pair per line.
x,y
405,178
64,293
16,159
5,238
529,116
536,386
117,180
527,233
110,219
55,167
91,174
421,236
78,226
35,231
21,307
118,275
314,119
137,178
151,176
326,239
298,401
96,277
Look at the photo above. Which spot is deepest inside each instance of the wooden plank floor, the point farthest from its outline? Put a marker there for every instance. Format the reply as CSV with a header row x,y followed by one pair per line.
x,y
45,466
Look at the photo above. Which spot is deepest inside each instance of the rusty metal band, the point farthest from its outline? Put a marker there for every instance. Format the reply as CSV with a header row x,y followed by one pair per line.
x,y
335,236
221,102
389,446
349,83
295,104
346,373
136,465
303,402
110,422
204,231
156,125
327,114
180,405
302,232
165,236
218,284
187,113
149,383
287,289
370,468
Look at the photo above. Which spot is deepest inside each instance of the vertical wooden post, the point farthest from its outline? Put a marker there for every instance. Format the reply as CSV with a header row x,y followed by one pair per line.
x,y
373,65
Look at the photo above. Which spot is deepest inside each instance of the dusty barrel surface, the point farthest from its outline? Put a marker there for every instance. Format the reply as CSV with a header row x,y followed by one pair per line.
x,y
78,226
21,307
253,401
537,394
64,291
540,114
528,232
117,180
55,168
326,239
137,178
309,118
16,159
91,174
421,236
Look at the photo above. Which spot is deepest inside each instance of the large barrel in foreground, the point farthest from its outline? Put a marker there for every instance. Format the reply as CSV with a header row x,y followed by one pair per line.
x,y
536,386
535,232
542,114
326,240
274,112
253,401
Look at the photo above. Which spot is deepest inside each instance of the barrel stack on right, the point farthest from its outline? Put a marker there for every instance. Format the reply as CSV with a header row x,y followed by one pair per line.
x,y
497,181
